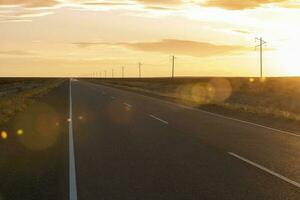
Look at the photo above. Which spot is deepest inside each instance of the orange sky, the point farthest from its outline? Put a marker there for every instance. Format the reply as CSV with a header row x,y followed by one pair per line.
x,y
208,37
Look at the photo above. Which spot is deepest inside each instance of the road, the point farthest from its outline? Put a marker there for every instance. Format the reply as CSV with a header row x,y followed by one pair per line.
x,y
123,145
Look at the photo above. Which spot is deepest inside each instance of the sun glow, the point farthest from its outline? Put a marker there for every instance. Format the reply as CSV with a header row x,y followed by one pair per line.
x,y
287,58
89,37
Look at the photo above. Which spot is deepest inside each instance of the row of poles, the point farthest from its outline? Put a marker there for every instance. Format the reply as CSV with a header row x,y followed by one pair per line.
x,y
139,68
261,44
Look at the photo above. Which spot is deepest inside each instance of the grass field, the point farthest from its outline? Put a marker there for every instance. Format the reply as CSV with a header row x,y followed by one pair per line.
x,y
26,93
276,97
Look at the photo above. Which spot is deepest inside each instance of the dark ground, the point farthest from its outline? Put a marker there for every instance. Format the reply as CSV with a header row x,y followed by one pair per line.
x,y
35,164
123,153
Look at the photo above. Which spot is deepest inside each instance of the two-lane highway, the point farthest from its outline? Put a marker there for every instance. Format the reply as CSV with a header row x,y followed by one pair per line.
x,y
129,146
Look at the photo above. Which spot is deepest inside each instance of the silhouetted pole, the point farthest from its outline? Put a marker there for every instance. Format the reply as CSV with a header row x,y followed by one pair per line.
x,y
173,67
140,70
261,43
123,72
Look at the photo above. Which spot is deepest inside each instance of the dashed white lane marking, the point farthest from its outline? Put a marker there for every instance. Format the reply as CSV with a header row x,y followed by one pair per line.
x,y
128,105
72,169
226,117
112,97
161,120
265,169
211,113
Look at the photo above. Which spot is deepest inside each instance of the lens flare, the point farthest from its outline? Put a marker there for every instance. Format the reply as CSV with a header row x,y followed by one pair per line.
x,y
213,91
4,135
20,132
39,123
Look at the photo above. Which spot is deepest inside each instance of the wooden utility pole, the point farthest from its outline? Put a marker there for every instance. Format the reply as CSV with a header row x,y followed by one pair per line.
x,y
173,67
140,70
261,44
123,68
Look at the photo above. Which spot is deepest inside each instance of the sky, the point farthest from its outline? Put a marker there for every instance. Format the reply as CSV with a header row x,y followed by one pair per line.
x,y
98,37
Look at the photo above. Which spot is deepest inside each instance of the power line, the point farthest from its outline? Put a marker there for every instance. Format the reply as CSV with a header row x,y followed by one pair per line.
x,y
261,44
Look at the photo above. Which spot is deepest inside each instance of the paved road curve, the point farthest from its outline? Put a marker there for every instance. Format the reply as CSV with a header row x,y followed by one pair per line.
x,y
129,146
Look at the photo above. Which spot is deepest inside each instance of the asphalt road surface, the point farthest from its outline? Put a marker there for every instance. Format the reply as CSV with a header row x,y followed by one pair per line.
x,y
114,144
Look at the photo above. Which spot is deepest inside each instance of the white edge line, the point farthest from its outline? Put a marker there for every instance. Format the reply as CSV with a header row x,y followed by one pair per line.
x,y
207,112
72,169
247,122
265,169
230,118
163,121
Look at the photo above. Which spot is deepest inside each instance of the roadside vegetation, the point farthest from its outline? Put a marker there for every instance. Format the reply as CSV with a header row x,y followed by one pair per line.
x,y
275,97
27,92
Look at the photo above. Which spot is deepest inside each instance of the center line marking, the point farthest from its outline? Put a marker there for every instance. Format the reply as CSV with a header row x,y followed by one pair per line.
x,y
72,169
128,105
266,170
161,120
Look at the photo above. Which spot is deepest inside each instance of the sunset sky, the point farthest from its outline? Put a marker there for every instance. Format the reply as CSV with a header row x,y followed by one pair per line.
x,y
208,37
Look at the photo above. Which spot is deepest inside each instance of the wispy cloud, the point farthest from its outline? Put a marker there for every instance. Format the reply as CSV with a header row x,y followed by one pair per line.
x,y
160,2
161,5
89,44
17,53
173,46
241,31
29,3
240,4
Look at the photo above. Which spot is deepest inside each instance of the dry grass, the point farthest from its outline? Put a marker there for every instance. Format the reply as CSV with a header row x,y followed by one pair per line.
x,y
276,97
10,105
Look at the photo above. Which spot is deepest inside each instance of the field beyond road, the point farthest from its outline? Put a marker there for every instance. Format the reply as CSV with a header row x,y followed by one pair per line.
x,y
267,101
17,93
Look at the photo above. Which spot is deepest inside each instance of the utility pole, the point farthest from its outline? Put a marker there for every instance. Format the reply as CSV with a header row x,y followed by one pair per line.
x,y
123,68
261,44
140,70
173,67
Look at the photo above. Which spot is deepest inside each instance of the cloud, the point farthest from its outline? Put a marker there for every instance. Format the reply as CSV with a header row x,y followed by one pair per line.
x,y
291,4
16,53
173,46
107,3
185,47
160,2
240,4
29,3
241,31
88,44
153,4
